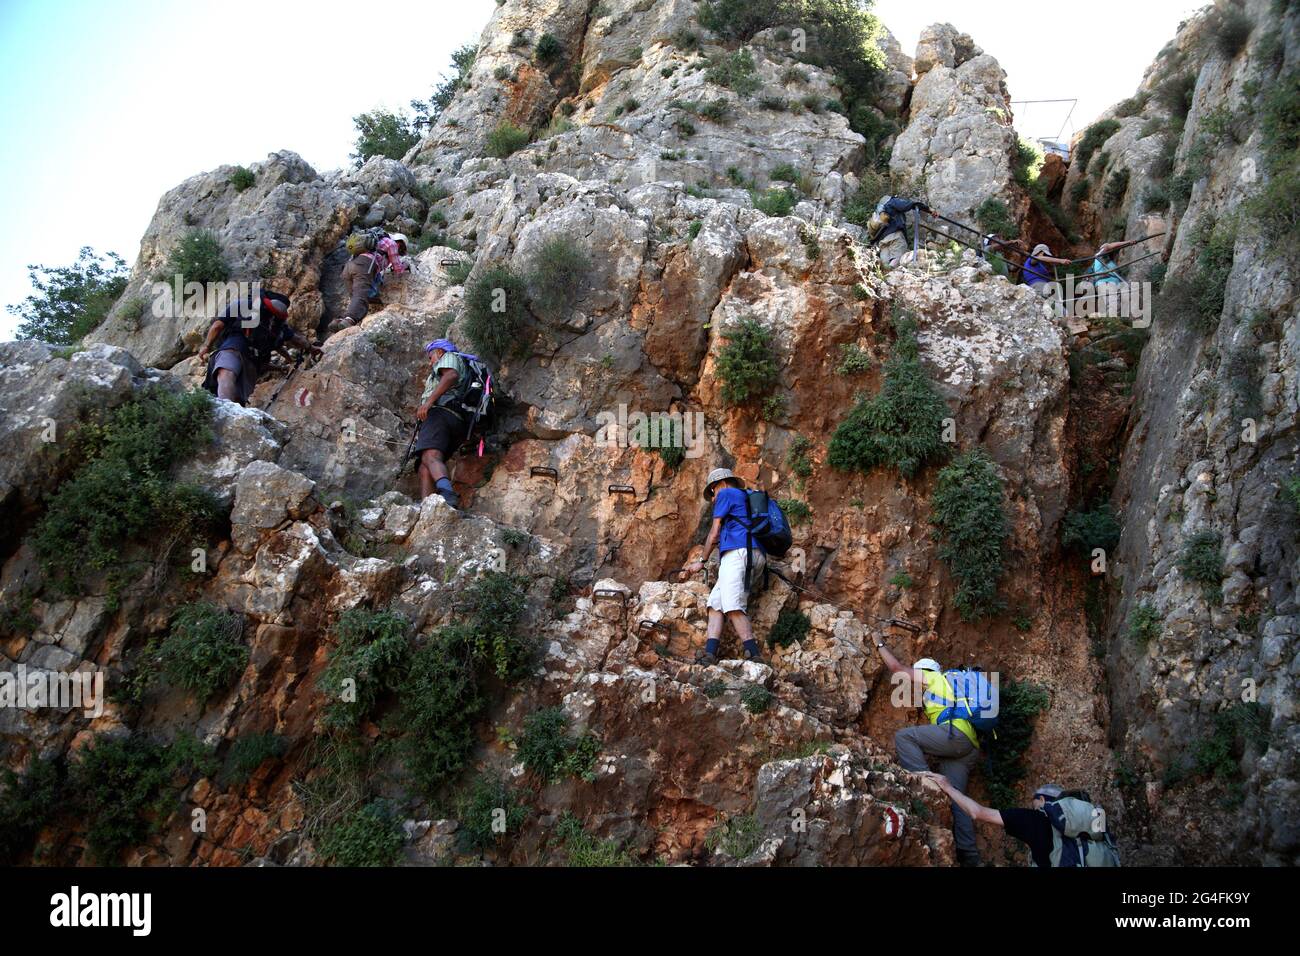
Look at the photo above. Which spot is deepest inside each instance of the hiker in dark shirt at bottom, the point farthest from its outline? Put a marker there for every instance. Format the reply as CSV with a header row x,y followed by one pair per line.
x,y
1062,829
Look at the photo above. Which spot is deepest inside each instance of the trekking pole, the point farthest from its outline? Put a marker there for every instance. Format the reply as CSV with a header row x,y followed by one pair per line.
x,y
285,381
407,456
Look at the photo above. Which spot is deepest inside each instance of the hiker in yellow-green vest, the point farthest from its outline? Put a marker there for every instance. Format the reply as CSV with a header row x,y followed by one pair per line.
x,y
953,744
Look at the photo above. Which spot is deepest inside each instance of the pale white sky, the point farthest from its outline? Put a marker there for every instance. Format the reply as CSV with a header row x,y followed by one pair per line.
x,y
107,106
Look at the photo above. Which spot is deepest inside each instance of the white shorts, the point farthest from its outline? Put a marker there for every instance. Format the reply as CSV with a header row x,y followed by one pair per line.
x,y
729,593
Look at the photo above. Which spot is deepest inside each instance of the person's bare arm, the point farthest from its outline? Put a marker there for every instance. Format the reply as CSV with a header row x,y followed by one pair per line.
x,y
973,809
214,330
445,381
715,531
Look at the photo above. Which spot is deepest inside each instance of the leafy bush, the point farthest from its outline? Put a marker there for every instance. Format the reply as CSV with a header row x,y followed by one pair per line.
x,y
372,836
584,850
797,457
507,138
547,750
559,271
791,626
438,699
1175,95
549,49
1231,29
122,493
70,301
489,799
967,509
774,201
1019,704
994,216
1144,624
747,364
383,133
796,511
495,603
902,426
370,649
1200,297
784,173
242,178
495,313
1116,188
841,38
198,258
1093,139
120,784
756,698
1275,209
27,806
734,71
1201,562
1082,531
247,754
204,650
1155,198
1029,162
853,360
737,837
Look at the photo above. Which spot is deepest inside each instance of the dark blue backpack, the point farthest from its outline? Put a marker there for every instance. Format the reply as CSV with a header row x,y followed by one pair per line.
x,y
768,524
976,700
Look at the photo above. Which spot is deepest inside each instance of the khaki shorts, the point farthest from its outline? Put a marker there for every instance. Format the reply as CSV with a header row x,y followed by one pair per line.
x,y
729,593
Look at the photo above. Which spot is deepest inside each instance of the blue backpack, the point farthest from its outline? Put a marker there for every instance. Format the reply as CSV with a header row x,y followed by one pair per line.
x,y
976,699
768,524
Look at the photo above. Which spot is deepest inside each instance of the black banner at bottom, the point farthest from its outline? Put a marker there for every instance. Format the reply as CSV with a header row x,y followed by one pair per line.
x,y
333,905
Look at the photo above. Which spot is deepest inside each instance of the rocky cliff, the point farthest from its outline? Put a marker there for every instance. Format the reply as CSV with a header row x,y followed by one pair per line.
x,y
528,656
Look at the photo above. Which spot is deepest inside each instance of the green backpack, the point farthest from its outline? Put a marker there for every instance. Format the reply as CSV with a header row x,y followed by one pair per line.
x,y
361,242
1077,840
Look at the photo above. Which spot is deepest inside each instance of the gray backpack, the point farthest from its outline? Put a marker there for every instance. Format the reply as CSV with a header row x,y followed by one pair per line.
x,y
1079,836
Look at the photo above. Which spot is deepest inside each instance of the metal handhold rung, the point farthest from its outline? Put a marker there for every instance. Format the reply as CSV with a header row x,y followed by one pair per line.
x,y
622,490
542,472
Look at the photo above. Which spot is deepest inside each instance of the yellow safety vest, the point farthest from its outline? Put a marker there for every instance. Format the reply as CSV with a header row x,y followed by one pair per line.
x,y
937,686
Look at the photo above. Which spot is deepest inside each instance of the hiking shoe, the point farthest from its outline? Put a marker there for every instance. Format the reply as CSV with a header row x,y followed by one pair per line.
x,y
705,659
968,858
451,498
755,659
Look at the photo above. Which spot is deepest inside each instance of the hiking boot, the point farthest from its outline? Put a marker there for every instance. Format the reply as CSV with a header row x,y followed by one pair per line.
x,y
968,858
451,498
755,658
705,659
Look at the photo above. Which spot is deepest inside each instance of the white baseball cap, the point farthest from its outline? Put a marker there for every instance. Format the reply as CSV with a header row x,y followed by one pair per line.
x,y
927,664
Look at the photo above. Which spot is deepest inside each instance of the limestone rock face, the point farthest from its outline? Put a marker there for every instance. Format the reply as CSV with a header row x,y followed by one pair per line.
x,y
1212,441
278,231
958,144
656,175
43,396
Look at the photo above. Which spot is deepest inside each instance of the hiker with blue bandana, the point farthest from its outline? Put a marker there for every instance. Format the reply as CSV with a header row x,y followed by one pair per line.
x,y
444,425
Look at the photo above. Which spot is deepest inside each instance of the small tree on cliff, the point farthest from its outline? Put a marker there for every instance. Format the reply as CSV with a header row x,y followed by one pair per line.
x,y
383,133
70,301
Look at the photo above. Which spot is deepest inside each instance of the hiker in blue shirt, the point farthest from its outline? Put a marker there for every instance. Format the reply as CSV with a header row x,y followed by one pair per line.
x,y
1104,267
730,532
1036,271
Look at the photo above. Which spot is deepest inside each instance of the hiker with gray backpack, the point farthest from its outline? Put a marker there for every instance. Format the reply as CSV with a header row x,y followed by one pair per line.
x,y
958,705
456,404
747,527
1063,828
